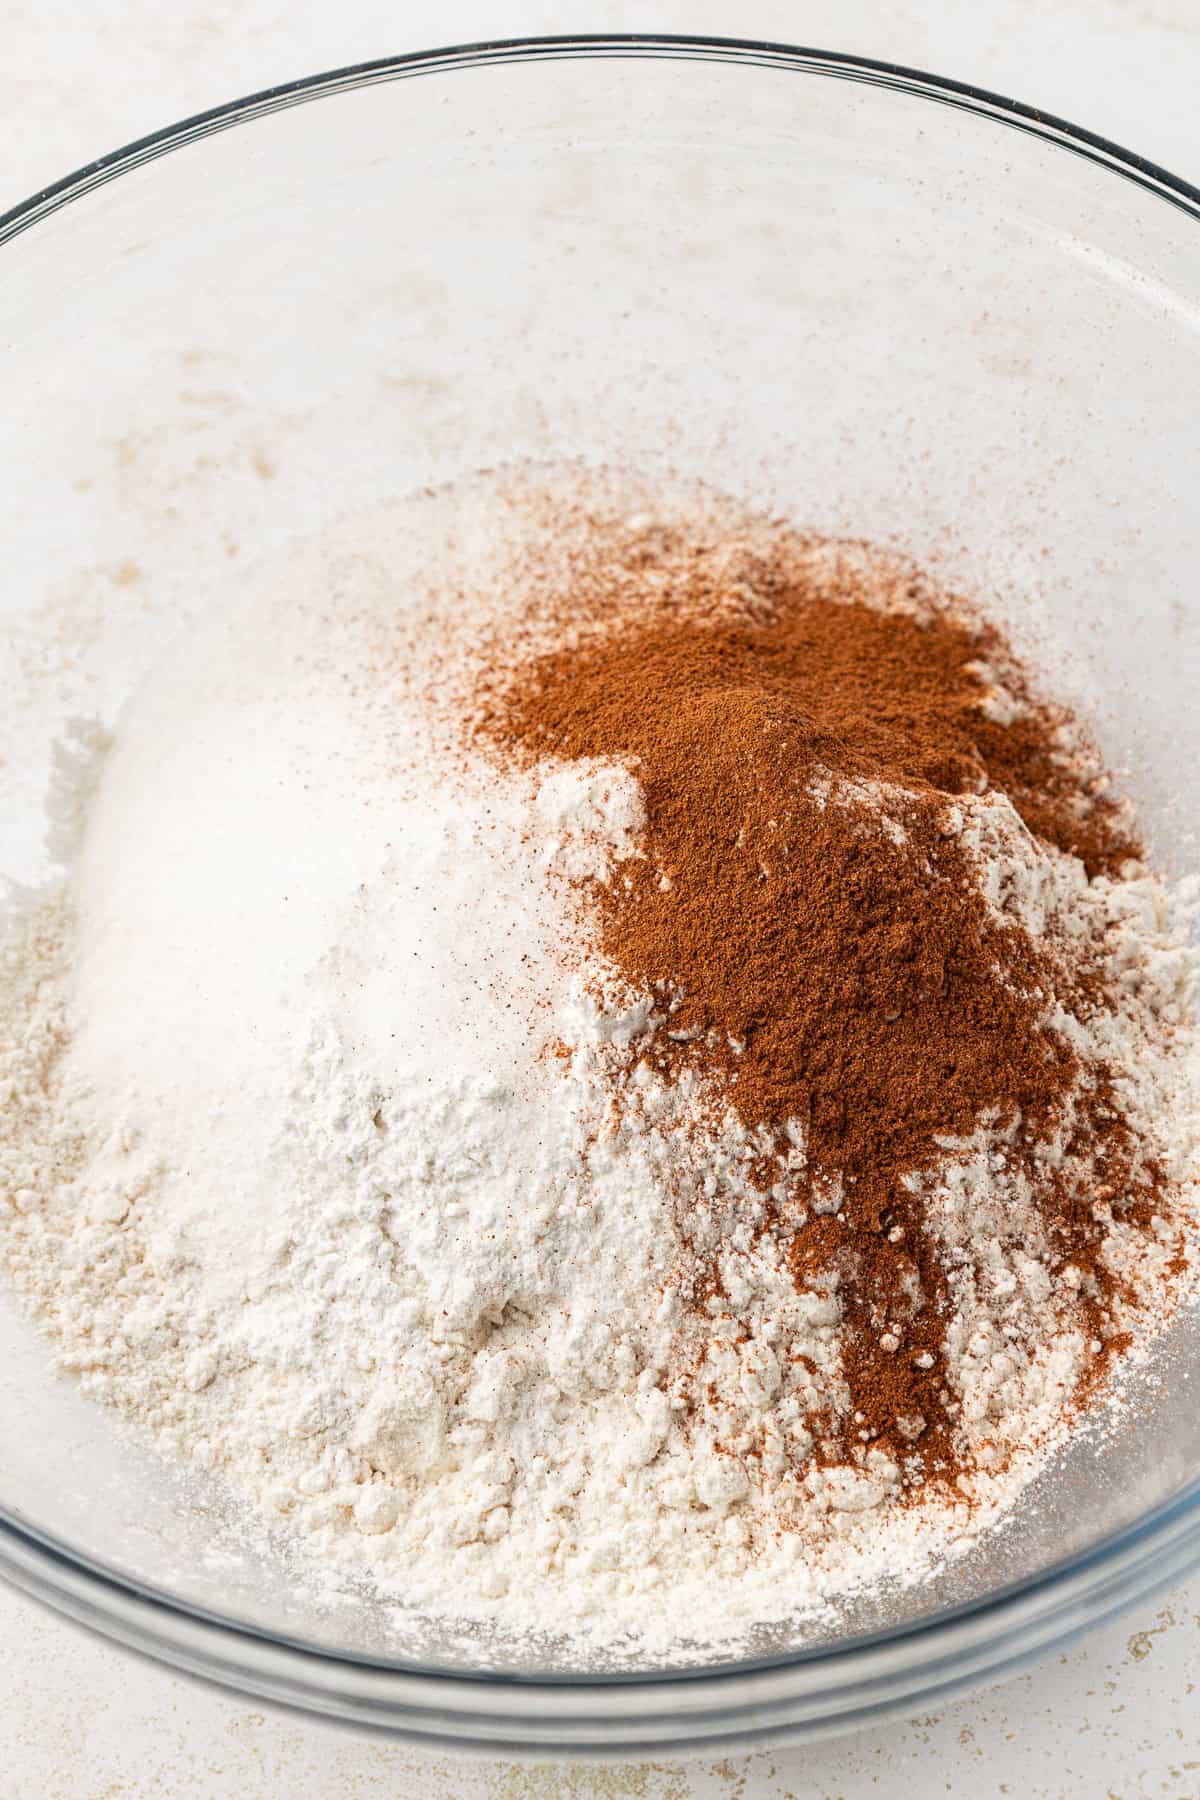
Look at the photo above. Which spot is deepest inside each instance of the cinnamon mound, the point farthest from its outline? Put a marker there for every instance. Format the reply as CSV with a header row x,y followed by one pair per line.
x,y
815,934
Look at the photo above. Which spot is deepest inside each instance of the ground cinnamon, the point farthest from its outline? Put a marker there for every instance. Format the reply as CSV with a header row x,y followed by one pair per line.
x,y
814,931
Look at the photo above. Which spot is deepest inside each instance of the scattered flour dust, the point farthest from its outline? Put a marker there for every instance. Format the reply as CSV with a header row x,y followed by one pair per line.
x,y
292,1175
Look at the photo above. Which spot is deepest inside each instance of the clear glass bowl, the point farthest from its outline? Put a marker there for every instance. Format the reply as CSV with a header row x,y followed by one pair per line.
x,y
881,303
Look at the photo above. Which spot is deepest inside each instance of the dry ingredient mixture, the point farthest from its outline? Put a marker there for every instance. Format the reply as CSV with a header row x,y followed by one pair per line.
x,y
591,1046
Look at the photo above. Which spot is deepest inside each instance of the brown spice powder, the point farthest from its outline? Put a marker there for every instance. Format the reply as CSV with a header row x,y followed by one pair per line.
x,y
815,933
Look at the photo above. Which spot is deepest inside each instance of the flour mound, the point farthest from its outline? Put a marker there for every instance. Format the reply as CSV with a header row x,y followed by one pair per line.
x,y
330,1156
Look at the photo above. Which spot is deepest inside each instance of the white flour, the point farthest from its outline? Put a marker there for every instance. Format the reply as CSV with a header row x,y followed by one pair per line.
x,y
295,1176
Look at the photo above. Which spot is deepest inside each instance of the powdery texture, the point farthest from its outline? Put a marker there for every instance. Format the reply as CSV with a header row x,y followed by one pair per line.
x,y
370,1206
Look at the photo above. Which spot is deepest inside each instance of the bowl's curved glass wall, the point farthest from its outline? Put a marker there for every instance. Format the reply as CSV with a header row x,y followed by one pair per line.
x,y
875,313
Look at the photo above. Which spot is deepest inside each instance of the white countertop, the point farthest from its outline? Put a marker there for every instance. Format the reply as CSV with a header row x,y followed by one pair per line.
x,y
1118,1716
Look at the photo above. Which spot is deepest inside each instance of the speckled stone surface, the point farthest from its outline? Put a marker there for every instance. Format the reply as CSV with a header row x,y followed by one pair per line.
x,y
1118,1717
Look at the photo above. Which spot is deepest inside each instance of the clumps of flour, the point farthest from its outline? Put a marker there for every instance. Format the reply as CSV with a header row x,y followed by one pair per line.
x,y
328,1157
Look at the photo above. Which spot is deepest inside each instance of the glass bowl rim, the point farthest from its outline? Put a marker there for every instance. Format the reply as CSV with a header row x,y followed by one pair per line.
x,y
715,1704
866,71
